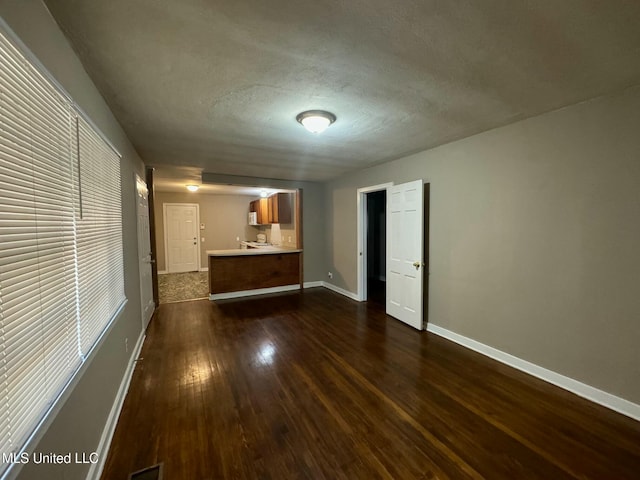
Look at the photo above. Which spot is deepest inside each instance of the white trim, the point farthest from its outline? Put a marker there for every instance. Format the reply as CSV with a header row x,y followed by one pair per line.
x,y
162,272
204,269
341,291
261,291
95,471
600,397
257,291
361,208
165,231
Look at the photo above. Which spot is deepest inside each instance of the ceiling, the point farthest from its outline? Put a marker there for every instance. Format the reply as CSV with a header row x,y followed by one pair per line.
x,y
216,85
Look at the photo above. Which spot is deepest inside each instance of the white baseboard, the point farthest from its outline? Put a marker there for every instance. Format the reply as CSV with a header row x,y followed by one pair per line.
x,y
257,291
286,288
600,397
202,269
95,471
341,291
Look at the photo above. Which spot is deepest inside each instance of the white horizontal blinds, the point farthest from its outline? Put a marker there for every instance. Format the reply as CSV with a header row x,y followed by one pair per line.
x,y
38,345
99,236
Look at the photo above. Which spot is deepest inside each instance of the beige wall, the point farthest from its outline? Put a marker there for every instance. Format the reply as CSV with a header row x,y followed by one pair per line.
x,y
225,218
535,238
78,424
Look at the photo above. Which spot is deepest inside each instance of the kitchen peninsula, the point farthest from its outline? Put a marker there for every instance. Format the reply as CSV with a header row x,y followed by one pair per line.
x,y
250,271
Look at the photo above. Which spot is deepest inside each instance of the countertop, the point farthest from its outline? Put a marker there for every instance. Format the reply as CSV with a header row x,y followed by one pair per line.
x,y
266,250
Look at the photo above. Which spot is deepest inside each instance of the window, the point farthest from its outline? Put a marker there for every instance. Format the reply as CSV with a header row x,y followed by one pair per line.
x,y
61,261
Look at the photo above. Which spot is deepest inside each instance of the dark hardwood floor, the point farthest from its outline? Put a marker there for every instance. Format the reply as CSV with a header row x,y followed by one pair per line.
x,y
316,386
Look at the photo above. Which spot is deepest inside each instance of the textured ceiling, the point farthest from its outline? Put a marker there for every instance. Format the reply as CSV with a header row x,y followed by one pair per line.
x,y
217,84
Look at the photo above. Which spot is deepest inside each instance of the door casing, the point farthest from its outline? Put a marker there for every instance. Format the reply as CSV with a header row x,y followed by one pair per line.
x,y
362,294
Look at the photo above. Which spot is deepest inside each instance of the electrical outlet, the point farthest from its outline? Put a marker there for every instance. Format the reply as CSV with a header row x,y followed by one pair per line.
x,y
330,274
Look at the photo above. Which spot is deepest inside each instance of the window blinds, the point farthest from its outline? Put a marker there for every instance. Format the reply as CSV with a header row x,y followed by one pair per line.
x,y
61,266
99,234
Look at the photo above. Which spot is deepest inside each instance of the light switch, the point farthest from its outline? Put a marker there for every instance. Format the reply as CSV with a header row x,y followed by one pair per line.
x,y
202,226
202,239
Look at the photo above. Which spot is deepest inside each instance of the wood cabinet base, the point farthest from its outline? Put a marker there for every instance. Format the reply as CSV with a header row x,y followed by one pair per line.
x,y
250,272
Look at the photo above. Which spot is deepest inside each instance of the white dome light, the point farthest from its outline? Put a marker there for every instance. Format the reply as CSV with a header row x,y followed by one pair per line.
x,y
193,188
316,121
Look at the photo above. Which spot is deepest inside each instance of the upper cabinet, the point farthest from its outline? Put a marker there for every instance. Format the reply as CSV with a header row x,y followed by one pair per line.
x,y
280,208
261,207
275,209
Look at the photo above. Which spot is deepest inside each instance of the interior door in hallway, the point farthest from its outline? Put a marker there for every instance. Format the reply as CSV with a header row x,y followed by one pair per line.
x,y
144,251
405,216
181,234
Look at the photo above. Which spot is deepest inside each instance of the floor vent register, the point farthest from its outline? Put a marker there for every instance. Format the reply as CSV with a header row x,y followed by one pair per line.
x,y
150,473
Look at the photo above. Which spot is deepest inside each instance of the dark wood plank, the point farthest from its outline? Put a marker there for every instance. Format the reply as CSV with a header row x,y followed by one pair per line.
x,y
312,385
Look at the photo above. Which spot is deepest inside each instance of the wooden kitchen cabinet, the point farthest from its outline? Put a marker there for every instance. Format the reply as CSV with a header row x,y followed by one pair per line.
x,y
261,207
234,273
279,207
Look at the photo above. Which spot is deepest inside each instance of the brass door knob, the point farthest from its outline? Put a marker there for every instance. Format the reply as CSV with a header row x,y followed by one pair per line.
x,y
417,264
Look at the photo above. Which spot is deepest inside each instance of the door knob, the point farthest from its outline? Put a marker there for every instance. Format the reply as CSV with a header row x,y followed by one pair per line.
x,y
417,264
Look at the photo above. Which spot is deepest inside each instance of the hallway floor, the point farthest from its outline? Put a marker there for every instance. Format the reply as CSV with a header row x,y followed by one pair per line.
x,y
178,287
314,385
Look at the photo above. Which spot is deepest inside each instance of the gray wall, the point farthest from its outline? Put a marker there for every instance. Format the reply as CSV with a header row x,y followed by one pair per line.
x,y
78,425
535,238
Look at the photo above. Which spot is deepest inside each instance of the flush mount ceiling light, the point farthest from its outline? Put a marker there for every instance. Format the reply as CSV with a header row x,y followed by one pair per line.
x,y
263,194
193,188
316,121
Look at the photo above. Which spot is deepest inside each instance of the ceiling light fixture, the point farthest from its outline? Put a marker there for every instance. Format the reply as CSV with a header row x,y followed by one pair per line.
x,y
263,194
316,121
193,188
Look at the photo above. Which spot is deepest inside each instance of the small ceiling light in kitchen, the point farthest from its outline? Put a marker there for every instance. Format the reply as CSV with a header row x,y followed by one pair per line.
x,y
316,121
193,188
263,194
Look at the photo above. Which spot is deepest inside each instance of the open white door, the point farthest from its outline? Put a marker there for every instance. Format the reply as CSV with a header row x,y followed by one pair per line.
x,y
181,237
404,252
144,251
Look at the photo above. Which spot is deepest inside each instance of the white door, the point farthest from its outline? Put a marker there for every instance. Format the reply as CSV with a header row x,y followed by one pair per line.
x,y
181,227
404,252
144,251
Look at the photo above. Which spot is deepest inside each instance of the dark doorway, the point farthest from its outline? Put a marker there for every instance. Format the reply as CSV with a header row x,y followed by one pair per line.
x,y
376,246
